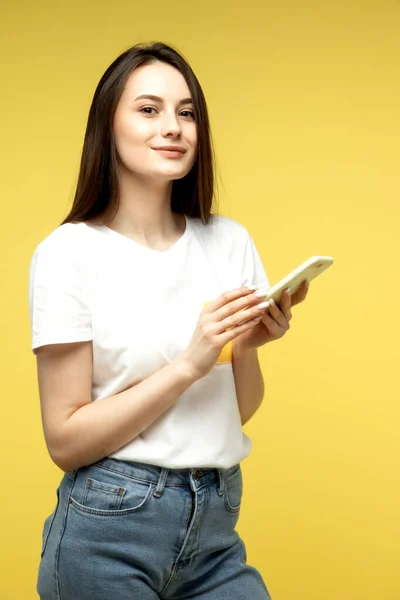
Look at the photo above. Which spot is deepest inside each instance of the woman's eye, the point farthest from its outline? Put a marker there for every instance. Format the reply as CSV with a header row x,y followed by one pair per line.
x,y
148,108
189,112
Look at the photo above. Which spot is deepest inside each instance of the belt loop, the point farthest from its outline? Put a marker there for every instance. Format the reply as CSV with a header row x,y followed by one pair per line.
x,y
161,483
221,482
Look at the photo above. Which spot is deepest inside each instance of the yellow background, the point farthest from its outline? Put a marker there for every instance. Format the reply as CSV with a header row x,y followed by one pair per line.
x,y
304,102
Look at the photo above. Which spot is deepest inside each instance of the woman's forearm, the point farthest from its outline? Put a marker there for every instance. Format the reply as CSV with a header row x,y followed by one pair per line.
x,y
99,428
248,381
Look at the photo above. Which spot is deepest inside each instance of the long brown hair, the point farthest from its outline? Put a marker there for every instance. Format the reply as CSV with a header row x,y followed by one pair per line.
x,y
96,194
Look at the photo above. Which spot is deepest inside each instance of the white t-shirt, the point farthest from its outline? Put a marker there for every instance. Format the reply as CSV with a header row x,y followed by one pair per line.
x,y
140,307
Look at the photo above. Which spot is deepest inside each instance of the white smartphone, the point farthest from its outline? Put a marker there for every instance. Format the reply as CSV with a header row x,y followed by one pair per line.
x,y
310,269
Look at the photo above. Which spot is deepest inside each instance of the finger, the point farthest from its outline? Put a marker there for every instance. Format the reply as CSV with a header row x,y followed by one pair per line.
x,y
285,304
233,333
301,293
275,330
278,316
226,298
238,306
241,316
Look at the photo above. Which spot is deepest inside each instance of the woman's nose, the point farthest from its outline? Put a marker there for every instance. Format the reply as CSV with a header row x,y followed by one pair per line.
x,y
171,125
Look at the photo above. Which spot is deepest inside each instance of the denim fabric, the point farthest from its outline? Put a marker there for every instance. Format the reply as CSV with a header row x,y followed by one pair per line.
x,y
140,532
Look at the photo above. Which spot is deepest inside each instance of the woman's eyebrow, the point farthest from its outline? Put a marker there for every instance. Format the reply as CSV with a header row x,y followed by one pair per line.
x,y
158,99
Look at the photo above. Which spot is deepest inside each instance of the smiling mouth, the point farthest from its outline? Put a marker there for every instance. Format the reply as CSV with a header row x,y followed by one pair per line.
x,y
170,150
170,153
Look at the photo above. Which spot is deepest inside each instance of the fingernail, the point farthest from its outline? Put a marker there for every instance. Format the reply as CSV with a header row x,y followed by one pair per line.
x,y
289,291
307,284
262,305
261,294
271,302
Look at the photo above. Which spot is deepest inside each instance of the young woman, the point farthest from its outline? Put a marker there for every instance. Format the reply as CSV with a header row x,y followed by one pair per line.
x,y
145,326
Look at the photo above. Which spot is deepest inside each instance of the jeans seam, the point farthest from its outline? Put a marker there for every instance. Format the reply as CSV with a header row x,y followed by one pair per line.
x,y
189,527
62,531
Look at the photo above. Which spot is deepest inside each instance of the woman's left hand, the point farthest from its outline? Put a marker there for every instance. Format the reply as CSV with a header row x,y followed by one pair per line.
x,y
275,321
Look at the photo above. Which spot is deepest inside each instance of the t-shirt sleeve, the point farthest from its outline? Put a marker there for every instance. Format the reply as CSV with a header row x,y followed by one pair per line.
x,y
58,296
253,271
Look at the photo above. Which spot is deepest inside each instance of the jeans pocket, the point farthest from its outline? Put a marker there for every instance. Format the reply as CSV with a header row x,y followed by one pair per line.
x,y
234,490
48,525
109,494
103,496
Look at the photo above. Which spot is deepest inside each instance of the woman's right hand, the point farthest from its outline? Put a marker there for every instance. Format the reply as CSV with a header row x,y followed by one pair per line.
x,y
221,321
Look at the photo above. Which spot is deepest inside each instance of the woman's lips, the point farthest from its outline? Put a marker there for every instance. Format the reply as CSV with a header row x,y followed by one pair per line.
x,y
170,153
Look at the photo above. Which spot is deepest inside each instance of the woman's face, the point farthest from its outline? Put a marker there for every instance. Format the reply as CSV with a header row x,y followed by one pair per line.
x,y
141,125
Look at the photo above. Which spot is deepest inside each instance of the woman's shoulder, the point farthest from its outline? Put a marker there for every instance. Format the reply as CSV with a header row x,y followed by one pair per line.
x,y
69,236
63,258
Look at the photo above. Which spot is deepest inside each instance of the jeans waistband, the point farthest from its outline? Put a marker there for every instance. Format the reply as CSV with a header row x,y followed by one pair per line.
x,y
163,477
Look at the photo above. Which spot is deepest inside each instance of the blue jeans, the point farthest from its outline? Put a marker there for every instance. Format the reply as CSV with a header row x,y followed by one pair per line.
x,y
140,532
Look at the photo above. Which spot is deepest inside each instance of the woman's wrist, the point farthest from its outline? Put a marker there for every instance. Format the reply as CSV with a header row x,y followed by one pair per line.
x,y
239,349
185,370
